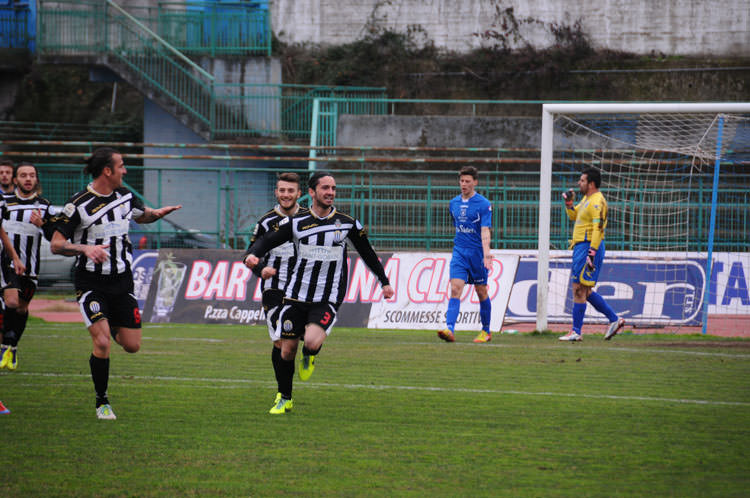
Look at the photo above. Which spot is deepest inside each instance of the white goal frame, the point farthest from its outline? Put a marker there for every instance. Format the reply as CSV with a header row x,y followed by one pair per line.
x,y
545,181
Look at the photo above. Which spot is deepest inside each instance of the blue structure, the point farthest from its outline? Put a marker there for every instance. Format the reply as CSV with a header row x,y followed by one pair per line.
x,y
18,24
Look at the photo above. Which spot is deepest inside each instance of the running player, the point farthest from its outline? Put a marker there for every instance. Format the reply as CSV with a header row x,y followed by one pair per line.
x,y
317,284
275,267
25,217
93,227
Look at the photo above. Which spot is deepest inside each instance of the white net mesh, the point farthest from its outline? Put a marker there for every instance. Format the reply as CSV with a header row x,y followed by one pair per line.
x,y
657,178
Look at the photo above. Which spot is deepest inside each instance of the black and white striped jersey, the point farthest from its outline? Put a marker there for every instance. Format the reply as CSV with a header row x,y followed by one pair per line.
x,y
94,219
282,257
23,234
321,269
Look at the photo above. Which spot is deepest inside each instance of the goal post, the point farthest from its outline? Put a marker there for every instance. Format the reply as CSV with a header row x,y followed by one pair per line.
x,y
656,160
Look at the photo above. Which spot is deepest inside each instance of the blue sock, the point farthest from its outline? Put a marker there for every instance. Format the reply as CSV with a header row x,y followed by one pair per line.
x,y
485,314
598,302
451,315
579,309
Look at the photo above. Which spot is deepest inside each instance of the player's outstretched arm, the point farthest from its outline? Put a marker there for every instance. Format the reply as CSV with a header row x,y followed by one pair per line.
x,y
151,215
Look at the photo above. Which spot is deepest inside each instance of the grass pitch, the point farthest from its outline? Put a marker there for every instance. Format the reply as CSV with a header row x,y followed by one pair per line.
x,y
385,414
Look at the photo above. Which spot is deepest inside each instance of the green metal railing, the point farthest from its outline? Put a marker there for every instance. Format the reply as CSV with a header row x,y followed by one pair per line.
x,y
401,194
215,28
103,31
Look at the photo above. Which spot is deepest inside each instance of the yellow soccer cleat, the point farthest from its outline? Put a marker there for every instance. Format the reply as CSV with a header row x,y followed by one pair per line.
x,y
306,367
281,405
5,356
483,336
446,335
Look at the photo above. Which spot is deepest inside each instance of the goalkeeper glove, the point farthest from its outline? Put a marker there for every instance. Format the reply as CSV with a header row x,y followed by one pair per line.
x,y
590,259
569,197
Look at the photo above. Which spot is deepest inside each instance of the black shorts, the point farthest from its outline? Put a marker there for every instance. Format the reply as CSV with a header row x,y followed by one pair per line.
x,y
271,306
104,296
295,315
26,285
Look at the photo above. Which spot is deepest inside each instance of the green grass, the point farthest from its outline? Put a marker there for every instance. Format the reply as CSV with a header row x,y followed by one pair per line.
x,y
385,414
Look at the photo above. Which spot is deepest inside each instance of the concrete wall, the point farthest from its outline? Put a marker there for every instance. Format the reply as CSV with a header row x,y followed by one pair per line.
x,y
438,131
674,27
211,196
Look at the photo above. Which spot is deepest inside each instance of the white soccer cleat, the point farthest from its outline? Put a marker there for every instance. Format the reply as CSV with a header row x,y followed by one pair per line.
x,y
104,412
614,328
571,337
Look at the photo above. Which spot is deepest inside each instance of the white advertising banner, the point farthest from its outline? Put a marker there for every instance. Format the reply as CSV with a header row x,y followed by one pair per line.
x,y
422,284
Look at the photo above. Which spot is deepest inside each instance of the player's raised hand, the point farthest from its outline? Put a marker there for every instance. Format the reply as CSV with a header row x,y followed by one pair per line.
x,y
569,197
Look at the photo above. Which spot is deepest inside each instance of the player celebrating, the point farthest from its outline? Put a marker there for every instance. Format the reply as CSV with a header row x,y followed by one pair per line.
x,y
275,267
317,284
25,217
93,227
471,259
590,217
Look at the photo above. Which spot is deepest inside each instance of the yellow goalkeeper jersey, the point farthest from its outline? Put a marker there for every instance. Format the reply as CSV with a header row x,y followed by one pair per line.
x,y
590,216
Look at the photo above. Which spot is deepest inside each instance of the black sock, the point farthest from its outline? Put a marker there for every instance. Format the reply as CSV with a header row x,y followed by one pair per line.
x,y
100,376
20,324
286,375
309,352
276,361
9,327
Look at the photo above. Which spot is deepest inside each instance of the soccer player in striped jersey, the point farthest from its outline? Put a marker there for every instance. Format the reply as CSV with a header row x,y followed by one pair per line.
x,y
590,217
25,217
318,282
275,267
93,227
6,177
471,260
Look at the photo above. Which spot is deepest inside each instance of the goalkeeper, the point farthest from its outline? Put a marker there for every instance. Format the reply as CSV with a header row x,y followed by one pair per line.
x,y
590,217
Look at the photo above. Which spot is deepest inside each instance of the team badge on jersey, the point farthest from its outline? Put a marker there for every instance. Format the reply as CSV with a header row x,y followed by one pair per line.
x,y
69,209
287,325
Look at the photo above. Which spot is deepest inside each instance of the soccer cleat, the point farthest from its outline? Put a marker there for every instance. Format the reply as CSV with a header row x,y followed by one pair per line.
x,y
281,405
306,366
483,336
3,410
447,335
614,328
104,412
13,364
4,356
571,337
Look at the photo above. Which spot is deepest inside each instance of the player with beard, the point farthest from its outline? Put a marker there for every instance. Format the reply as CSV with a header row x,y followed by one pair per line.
x,y
318,282
6,177
25,218
93,226
275,267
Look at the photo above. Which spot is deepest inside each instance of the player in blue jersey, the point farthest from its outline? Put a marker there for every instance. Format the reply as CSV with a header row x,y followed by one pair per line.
x,y
471,260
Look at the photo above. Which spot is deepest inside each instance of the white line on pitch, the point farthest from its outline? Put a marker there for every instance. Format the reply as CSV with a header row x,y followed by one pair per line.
x,y
386,387
569,347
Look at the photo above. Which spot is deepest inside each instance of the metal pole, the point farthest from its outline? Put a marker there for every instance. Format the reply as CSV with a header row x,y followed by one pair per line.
x,y
712,223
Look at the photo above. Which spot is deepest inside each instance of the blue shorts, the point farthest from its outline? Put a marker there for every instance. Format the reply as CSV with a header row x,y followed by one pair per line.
x,y
468,265
578,272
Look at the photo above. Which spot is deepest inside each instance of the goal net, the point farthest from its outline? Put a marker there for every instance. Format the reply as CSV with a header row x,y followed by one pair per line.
x,y
670,173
